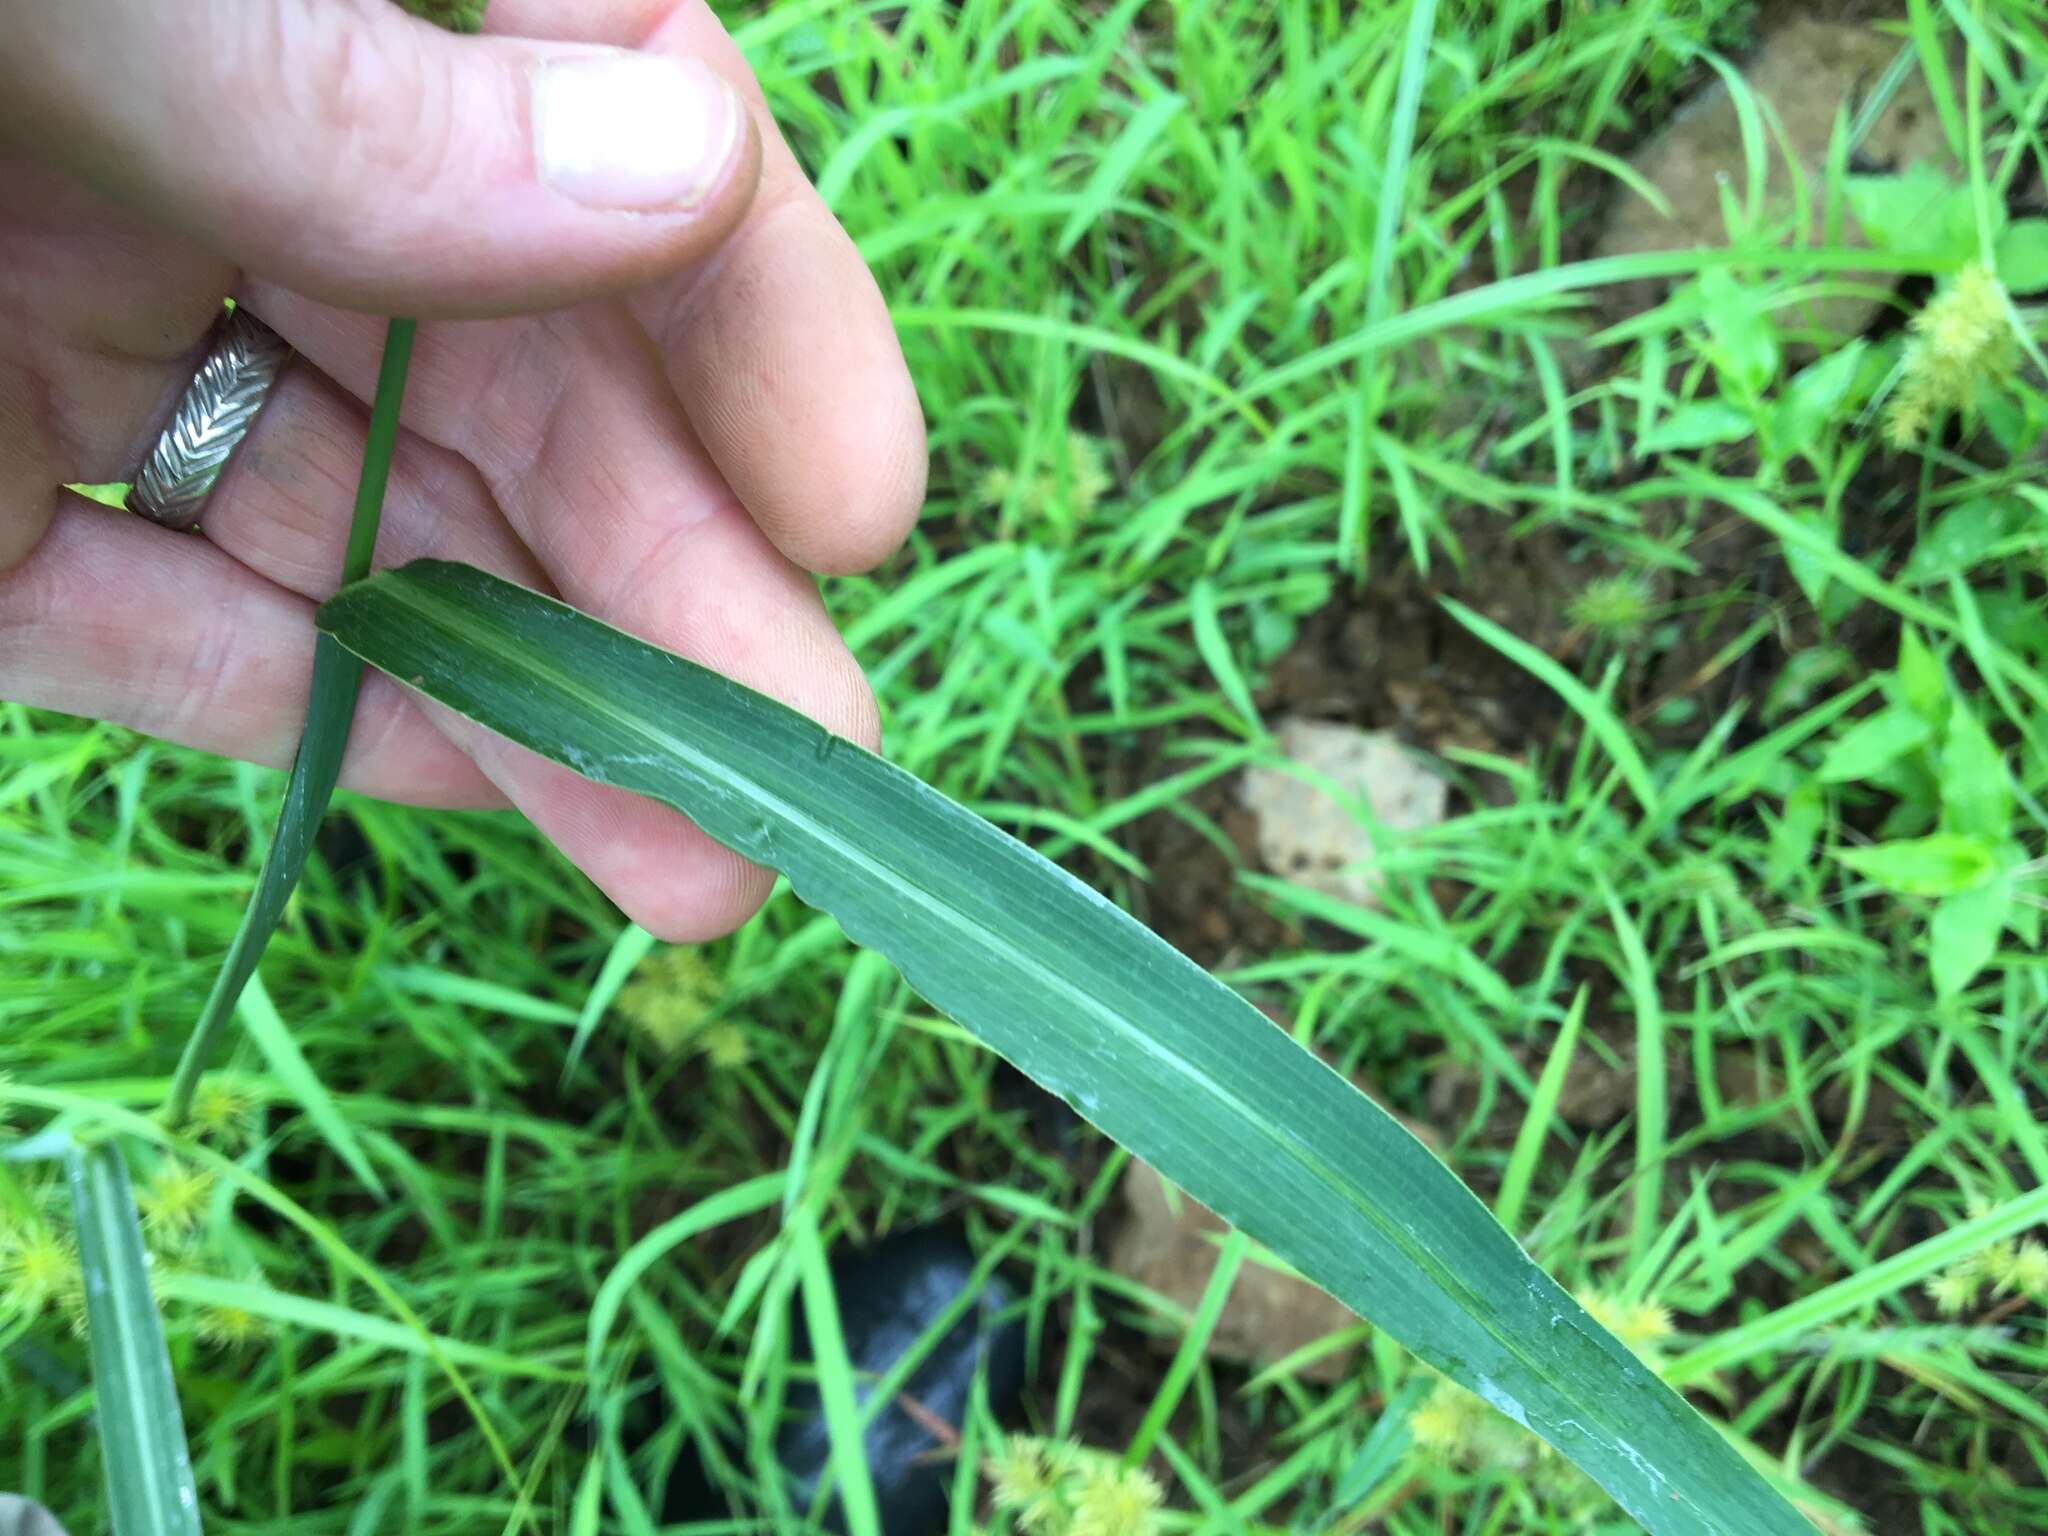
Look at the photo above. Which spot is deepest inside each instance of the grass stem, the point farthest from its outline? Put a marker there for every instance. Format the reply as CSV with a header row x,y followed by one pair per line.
x,y
330,708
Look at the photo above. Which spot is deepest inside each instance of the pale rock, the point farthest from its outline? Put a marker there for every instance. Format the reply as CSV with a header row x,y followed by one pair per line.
x,y
1168,1244
1310,837
1805,70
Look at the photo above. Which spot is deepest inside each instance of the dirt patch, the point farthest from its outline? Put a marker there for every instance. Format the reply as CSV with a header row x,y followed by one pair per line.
x,y
1806,70
1386,657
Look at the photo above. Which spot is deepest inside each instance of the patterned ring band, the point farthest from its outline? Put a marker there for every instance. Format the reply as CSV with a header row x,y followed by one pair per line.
x,y
243,359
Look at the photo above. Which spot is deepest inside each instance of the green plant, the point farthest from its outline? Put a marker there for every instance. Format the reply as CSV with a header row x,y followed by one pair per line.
x,y
1805,1135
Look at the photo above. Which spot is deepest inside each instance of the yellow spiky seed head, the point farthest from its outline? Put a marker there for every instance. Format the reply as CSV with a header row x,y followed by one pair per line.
x,y
225,1113
1088,479
669,998
1953,1291
173,1201
38,1271
1994,1262
1962,339
993,488
1448,1423
726,1046
2009,1264
1026,1484
1617,607
1643,1325
1115,1501
1017,1472
1078,480
230,1329
2028,1273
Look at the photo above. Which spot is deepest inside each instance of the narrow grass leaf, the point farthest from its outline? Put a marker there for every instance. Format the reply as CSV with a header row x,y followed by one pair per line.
x,y
1080,996
1607,727
627,951
296,1076
1116,167
1215,649
150,1489
336,1321
330,710
470,992
1521,1168
755,1194
1194,1345
1861,1289
837,1395
1640,978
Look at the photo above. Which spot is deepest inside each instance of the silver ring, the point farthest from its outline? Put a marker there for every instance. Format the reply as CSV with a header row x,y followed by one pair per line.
x,y
243,360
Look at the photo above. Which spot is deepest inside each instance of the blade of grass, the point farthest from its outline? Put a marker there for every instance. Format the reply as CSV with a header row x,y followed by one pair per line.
x,y
1862,1288
1640,979
325,1317
1083,998
289,1066
837,1395
1379,296
330,709
627,951
1215,650
1607,727
755,1194
339,1255
1521,1168
1115,168
150,1489
1194,1344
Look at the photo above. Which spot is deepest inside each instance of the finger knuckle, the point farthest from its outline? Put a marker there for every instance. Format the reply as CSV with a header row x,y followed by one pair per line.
x,y
367,99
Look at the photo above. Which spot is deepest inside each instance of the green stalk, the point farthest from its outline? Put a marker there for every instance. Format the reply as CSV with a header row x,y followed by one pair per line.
x,y
331,707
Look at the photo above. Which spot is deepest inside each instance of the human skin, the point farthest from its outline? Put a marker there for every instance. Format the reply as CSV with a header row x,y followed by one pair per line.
x,y
654,376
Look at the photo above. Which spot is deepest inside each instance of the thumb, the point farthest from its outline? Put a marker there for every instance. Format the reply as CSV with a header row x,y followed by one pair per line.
x,y
360,156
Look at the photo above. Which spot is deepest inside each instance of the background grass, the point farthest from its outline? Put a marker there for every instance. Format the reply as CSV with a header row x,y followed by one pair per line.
x,y
1248,334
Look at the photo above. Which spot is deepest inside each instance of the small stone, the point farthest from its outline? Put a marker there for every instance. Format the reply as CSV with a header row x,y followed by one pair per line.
x,y
1169,1246
1805,70
888,1294
1313,839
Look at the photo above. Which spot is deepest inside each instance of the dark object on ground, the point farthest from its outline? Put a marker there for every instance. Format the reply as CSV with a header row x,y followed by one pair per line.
x,y
1054,1125
888,1296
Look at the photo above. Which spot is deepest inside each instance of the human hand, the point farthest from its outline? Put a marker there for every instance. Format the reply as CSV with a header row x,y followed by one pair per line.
x,y
704,402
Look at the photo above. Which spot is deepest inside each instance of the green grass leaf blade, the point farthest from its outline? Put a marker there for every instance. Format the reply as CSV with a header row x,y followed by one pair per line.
x,y
1080,996
1864,1287
755,1194
628,950
1607,727
838,1397
1536,1124
150,1489
294,1074
325,1317
1115,168
1193,1347
316,767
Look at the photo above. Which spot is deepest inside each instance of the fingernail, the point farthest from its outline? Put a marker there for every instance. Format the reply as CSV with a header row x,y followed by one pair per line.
x,y
633,131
